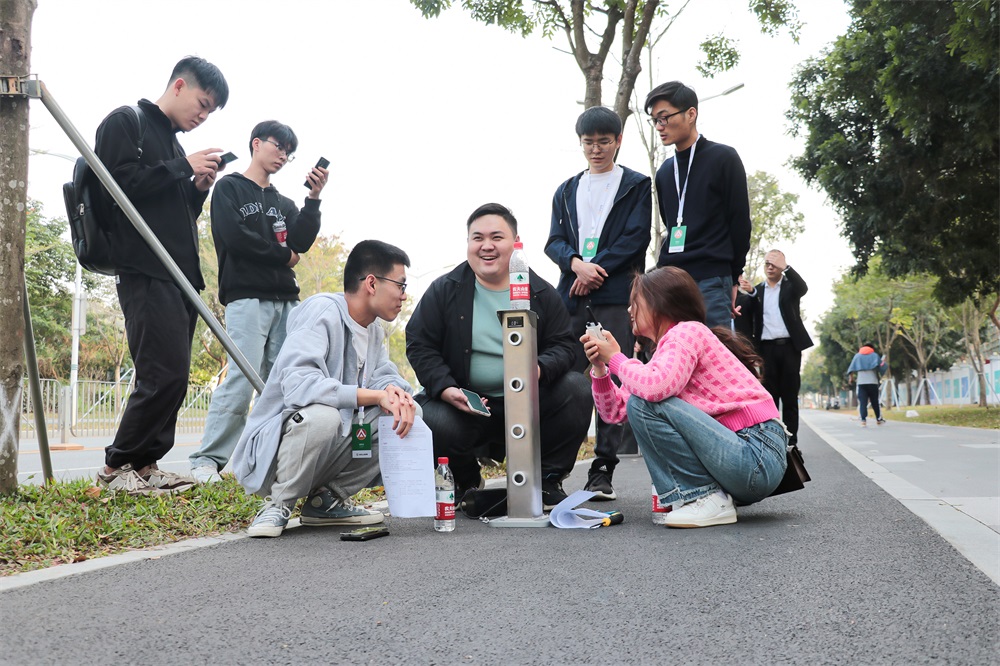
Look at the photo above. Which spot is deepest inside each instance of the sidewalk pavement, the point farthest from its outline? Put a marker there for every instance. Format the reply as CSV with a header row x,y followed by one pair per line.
x,y
840,573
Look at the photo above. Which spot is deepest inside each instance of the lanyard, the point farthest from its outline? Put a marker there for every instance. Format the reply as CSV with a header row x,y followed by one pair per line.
x,y
682,193
363,370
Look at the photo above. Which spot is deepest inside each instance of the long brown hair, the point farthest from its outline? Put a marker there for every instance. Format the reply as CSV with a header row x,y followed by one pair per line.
x,y
671,294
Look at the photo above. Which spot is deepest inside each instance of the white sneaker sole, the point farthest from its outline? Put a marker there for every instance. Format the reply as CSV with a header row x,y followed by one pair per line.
x,y
726,518
265,531
314,521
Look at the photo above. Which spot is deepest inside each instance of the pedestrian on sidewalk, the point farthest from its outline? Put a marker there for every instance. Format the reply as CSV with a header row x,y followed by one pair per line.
x,y
708,430
310,434
869,366
259,235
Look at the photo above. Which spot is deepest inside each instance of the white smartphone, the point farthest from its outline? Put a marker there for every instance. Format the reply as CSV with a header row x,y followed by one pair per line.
x,y
475,403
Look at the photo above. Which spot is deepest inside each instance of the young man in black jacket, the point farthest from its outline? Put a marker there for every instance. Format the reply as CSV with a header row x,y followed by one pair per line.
x,y
168,189
259,235
454,341
598,237
703,200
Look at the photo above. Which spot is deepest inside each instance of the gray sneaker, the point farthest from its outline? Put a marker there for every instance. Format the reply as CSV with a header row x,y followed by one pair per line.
x,y
125,480
271,520
323,508
168,481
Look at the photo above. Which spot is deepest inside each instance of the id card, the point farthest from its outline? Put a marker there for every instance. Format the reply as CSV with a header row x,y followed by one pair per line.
x,y
361,440
589,248
677,237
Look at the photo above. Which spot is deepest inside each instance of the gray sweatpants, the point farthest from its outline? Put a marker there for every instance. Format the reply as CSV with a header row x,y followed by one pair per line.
x,y
313,453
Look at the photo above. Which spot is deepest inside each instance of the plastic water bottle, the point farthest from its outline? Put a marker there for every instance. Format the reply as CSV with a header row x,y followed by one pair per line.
x,y
520,289
659,512
444,487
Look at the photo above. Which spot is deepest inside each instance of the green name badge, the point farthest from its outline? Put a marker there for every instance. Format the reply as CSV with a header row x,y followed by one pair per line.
x,y
590,248
677,237
361,440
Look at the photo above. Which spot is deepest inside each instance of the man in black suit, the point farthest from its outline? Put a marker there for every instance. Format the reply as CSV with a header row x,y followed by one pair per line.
x,y
781,336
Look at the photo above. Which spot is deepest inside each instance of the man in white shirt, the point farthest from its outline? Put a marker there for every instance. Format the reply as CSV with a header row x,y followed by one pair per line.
x,y
598,237
781,336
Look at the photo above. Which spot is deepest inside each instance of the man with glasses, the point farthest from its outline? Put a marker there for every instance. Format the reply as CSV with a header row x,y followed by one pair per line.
x,y
703,201
780,335
454,341
259,235
314,430
598,237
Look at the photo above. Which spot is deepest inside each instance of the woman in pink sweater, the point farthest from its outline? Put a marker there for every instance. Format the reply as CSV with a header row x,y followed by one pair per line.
x,y
708,430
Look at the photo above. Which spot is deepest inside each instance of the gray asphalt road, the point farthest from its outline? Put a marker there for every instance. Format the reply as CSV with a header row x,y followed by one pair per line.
x,y
840,573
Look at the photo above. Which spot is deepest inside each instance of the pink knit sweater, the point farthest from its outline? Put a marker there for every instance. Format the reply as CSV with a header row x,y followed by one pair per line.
x,y
691,363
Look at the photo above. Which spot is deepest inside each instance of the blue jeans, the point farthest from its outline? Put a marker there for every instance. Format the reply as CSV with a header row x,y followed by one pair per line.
x,y
690,455
717,293
258,329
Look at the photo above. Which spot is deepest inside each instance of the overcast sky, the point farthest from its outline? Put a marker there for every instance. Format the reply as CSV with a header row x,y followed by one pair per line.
x,y
422,120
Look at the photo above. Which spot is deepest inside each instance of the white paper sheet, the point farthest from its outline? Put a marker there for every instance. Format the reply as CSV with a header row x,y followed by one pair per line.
x,y
566,515
407,466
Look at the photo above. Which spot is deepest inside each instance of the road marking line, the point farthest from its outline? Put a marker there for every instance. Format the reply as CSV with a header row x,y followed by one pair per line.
x,y
896,459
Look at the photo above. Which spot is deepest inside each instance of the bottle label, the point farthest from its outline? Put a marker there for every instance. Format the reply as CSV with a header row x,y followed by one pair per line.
x,y
445,505
520,289
281,233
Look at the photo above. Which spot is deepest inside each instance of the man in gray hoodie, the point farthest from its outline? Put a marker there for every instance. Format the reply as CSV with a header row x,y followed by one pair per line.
x,y
314,431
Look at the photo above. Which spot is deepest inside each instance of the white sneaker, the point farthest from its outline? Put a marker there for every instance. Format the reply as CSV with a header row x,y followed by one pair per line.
x,y
205,474
714,509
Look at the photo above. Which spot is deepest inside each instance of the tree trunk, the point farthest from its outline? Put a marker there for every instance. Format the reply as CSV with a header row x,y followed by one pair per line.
x,y
15,55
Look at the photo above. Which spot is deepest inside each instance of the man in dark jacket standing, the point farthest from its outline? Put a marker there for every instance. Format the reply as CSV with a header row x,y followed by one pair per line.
x,y
258,236
454,341
781,336
598,237
703,200
168,189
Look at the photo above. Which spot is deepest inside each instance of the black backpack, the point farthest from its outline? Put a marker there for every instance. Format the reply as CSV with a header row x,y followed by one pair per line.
x,y
90,211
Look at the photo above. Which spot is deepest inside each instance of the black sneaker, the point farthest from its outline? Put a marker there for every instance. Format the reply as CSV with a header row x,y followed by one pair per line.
x,y
599,483
552,492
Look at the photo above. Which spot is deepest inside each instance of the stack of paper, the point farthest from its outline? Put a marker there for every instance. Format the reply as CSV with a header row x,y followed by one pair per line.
x,y
567,515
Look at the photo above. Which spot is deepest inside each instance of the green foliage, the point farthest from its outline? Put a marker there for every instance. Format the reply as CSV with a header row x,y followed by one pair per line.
x,y
49,268
966,416
900,121
775,220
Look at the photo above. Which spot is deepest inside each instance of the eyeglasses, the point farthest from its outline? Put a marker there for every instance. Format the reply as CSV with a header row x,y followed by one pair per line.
x,y
282,149
659,121
602,145
401,285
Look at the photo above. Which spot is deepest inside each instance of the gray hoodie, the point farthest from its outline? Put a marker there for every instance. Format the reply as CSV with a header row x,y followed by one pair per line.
x,y
317,365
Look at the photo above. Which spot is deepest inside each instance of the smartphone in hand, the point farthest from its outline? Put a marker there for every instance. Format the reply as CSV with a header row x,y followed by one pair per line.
x,y
322,164
475,403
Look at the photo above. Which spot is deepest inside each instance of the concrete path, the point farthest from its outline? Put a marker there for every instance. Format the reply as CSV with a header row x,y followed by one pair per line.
x,y
840,573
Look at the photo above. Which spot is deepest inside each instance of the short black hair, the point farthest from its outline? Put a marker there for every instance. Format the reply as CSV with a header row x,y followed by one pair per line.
x,y
679,95
272,129
205,75
371,257
598,120
494,209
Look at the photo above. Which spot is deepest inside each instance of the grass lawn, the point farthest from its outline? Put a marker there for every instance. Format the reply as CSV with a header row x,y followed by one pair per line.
x,y
969,416
75,521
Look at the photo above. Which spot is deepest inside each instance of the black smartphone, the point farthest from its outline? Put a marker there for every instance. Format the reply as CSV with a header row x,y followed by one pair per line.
x,y
475,402
365,533
323,163
227,158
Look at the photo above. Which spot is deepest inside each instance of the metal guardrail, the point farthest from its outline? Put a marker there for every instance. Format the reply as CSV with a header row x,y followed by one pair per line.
x,y
100,406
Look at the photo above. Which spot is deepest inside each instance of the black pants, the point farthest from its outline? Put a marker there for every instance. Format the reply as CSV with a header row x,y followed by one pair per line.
x,y
564,405
868,393
159,324
612,438
781,379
